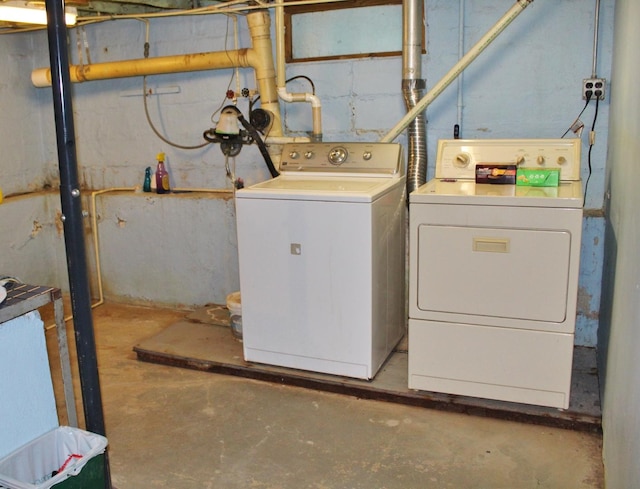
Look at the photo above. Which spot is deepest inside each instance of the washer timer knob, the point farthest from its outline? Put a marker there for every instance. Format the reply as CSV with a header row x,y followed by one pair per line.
x,y
338,155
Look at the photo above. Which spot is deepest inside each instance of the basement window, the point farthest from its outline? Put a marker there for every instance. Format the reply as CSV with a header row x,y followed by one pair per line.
x,y
347,29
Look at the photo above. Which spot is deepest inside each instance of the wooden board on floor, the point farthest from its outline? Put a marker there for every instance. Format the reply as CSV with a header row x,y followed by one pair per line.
x,y
212,348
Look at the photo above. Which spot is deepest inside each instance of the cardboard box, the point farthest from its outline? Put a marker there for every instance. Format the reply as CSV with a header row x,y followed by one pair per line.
x,y
490,173
538,177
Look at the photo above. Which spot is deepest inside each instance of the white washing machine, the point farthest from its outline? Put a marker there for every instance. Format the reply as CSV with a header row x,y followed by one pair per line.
x,y
493,274
322,259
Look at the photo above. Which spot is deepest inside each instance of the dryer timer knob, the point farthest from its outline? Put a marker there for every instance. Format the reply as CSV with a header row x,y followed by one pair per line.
x,y
462,160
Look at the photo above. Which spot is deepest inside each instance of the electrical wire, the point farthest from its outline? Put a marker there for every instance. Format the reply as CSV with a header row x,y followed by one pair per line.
x,y
145,94
153,128
234,73
304,77
592,141
578,117
313,87
239,7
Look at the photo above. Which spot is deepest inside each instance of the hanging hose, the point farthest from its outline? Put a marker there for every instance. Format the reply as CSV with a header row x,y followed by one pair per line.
x,y
263,147
255,135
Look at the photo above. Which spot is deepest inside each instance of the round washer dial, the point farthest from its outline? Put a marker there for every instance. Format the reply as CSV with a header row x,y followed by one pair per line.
x,y
338,155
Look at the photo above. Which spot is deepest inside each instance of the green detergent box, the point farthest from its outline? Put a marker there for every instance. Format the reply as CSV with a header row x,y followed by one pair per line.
x,y
538,177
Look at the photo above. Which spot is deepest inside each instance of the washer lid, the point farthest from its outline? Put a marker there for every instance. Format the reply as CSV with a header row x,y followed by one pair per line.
x,y
350,189
467,192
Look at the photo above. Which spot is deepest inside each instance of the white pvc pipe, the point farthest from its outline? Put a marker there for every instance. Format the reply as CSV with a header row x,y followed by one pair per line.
x,y
458,68
281,80
96,237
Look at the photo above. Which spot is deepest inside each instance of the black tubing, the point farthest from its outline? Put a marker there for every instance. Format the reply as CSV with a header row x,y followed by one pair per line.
x,y
261,146
256,137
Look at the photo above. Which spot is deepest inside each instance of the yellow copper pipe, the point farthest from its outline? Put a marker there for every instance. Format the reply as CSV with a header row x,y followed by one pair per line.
x,y
41,77
259,57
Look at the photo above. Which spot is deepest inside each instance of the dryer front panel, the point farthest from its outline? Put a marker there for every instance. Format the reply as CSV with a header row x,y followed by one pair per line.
x,y
507,273
513,267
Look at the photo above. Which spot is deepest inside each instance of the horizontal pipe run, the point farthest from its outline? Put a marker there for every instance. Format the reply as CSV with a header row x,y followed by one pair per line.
x,y
41,77
259,57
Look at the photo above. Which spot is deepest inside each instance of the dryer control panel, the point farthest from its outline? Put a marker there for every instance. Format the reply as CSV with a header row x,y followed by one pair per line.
x,y
457,158
348,157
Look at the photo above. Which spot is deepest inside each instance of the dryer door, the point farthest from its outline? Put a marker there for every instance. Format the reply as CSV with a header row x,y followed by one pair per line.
x,y
493,272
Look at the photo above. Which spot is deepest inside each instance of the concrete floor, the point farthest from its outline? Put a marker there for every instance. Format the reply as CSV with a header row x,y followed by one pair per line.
x,y
175,428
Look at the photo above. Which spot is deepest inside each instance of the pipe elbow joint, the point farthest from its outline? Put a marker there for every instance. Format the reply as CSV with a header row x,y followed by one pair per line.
x,y
315,101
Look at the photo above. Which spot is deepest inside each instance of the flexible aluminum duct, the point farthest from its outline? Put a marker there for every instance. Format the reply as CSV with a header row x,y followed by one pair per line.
x,y
412,89
417,134
458,68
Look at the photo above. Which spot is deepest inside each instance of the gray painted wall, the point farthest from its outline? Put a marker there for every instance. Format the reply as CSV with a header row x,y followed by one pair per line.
x,y
620,327
527,84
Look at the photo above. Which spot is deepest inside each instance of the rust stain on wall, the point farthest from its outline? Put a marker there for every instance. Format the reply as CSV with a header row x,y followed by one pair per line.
x,y
59,224
35,230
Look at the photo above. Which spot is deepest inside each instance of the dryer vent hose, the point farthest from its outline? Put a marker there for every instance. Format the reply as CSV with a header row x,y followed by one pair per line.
x,y
417,133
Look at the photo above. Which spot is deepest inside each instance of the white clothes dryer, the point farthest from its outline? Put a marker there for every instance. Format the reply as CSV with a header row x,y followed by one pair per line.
x,y
322,259
493,275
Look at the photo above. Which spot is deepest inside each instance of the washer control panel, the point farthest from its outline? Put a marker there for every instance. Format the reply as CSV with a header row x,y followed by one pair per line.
x,y
457,158
348,157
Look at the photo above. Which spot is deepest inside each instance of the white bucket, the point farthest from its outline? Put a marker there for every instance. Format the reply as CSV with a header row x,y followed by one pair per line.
x,y
234,304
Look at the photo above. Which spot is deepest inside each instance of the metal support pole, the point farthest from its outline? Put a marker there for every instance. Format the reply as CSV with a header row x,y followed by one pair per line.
x,y
73,225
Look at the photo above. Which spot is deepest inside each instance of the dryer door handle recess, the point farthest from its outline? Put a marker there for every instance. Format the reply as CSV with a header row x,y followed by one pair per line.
x,y
491,245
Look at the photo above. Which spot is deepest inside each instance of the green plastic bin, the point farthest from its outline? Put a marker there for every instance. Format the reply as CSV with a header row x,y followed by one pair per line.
x,y
63,458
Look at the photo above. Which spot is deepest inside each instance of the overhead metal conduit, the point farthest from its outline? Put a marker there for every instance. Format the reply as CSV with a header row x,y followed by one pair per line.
x,y
412,88
458,68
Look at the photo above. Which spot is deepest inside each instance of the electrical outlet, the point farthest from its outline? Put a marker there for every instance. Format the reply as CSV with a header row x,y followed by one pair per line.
x,y
597,87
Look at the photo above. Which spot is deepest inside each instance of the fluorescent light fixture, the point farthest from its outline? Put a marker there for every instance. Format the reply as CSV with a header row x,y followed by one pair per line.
x,y
24,12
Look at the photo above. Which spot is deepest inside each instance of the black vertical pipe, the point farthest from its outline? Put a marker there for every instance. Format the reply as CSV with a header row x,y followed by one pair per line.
x,y
73,222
